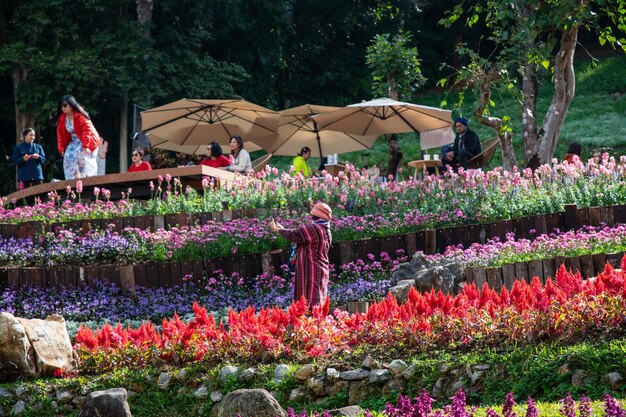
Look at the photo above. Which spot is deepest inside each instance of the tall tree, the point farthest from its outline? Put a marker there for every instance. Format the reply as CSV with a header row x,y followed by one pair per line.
x,y
542,36
396,73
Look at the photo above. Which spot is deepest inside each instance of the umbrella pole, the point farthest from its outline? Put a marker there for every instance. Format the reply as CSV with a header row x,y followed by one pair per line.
x,y
319,142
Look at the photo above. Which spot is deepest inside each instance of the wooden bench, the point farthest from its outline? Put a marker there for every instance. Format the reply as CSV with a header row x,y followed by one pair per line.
x,y
482,159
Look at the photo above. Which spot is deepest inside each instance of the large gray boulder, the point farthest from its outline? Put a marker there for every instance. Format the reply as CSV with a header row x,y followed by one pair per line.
x,y
444,274
248,403
34,347
110,403
408,270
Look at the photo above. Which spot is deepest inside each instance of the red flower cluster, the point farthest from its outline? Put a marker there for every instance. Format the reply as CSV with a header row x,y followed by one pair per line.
x,y
565,309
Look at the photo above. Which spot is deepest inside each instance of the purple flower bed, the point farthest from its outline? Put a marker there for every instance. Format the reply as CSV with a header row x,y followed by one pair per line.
x,y
359,280
585,241
240,236
422,406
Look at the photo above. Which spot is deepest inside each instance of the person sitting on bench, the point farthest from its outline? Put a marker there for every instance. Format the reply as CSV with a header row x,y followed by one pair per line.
x,y
466,145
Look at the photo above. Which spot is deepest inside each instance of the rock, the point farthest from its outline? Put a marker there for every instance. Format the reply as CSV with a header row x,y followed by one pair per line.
x,y
409,372
304,373
316,385
227,372
54,405
475,377
456,269
438,388
216,396
164,381
84,390
379,375
370,363
249,375
408,270
337,387
456,386
397,366
395,385
182,375
111,403
280,373
78,401
444,275
201,393
360,391
19,408
563,369
19,391
615,380
248,402
354,375
298,395
401,292
437,278
579,378
332,374
34,347
350,411
4,393
64,397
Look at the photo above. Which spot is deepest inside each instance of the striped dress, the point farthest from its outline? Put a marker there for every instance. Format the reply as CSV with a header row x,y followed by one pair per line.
x,y
313,241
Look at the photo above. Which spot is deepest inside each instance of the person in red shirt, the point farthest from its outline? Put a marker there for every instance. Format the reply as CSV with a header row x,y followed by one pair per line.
x,y
215,158
138,163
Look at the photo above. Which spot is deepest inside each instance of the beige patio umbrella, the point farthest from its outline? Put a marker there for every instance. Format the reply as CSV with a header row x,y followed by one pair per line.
x,y
383,116
199,122
296,129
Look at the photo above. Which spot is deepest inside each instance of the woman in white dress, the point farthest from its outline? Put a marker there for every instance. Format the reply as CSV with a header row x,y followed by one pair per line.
x,y
77,140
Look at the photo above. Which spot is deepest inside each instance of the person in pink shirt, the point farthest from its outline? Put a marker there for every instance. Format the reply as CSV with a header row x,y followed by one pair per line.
x,y
215,158
138,164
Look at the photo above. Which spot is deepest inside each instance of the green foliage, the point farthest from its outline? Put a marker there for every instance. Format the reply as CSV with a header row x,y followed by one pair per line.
x,y
395,66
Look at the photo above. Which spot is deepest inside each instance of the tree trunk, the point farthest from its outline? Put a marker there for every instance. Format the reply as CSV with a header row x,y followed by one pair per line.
x,y
529,116
394,150
144,16
564,86
509,160
23,118
124,133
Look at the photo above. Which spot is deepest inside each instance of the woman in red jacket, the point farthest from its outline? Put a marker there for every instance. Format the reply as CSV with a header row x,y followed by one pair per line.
x,y
77,139
215,158
138,163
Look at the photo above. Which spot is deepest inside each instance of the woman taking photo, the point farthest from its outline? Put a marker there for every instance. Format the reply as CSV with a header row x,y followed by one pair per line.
x,y
242,162
29,158
77,139
214,158
138,164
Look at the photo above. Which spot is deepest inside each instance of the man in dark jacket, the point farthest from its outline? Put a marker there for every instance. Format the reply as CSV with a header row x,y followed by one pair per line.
x,y
466,145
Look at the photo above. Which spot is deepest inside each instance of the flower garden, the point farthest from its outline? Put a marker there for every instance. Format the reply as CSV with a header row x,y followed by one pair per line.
x,y
223,312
